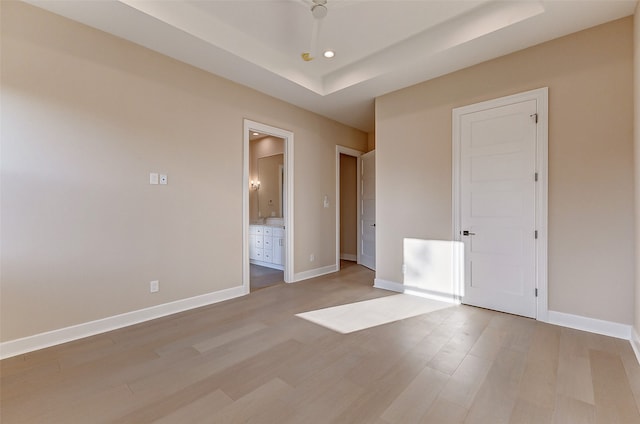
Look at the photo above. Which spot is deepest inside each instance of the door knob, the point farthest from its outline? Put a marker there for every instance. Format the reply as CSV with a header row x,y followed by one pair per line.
x,y
468,233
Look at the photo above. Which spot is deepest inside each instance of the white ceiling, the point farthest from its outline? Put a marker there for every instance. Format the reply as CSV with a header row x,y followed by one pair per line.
x,y
380,45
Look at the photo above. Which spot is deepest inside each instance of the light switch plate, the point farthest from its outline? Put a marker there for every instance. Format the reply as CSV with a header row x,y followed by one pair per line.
x,y
153,178
163,179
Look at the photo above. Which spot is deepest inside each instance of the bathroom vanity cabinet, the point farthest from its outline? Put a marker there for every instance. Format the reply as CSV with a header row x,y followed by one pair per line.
x,y
266,246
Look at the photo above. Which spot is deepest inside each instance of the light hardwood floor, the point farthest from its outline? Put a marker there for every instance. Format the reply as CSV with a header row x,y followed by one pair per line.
x,y
252,360
261,277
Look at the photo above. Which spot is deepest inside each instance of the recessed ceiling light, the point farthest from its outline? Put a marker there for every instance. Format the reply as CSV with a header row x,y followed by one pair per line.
x,y
329,54
255,133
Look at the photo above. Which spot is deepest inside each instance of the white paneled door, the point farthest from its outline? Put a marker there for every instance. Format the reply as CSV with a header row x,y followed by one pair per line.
x,y
368,210
498,206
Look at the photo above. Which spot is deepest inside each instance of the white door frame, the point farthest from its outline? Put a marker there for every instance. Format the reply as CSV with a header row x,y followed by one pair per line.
x,y
541,96
288,206
360,217
355,153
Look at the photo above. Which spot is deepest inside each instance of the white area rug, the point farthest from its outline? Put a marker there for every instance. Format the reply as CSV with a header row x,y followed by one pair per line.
x,y
370,313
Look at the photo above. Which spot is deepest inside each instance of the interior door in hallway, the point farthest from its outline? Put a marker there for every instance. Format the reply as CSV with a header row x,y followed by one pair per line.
x,y
368,210
498,207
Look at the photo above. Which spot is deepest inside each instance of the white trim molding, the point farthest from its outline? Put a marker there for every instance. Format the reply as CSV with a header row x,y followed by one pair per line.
x,y
91,328
317,272
267,264
592,325
577,322
249,125
379,283
354,153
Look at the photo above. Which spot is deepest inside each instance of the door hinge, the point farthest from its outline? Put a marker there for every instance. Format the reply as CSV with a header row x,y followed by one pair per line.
x,y
535,177
535,234
536,292
535,117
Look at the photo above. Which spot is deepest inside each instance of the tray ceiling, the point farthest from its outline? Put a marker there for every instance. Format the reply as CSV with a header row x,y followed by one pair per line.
x,y
380,45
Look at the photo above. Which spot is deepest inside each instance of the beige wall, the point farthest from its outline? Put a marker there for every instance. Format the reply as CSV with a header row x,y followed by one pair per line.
x,y
636,118
85,117
371,141
267,146
348,205
589,75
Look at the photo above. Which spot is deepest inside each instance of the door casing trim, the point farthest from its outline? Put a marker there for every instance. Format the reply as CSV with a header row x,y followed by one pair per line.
x,y
541,95
354,153
360,223
288,207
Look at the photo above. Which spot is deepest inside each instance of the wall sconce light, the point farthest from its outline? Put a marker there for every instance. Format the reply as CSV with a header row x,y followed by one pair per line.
x,y
255,185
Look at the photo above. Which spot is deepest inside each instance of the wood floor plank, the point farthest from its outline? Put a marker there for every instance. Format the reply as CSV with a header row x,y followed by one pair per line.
x,y
614,400
248,375
574,367
631,367
95,408
201,409
417,398
489,343
526,412
232,335
464,384
445,412
331,354
497,396
327,404
570,410
25,371
189,371
321,380
539,381
379,394
464,335
252,360
263,405
36,397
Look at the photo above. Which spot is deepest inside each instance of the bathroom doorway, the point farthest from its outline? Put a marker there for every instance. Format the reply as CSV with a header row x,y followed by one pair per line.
x,y
268,206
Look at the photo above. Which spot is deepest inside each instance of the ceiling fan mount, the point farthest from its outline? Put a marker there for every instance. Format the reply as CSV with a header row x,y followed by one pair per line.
x,y
319,9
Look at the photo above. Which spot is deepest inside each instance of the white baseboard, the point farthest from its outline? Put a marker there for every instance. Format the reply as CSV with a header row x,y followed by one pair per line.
x,y
592,325
415,291
349,257
379,283
266,264
75,332
317,272
635,343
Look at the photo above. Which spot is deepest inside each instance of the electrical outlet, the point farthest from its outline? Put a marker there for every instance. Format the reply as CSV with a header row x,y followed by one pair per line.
x,y
154,286
312,257
163,179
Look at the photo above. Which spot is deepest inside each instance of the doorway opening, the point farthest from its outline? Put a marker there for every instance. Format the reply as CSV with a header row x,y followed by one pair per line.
x,y
267,206
348,232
